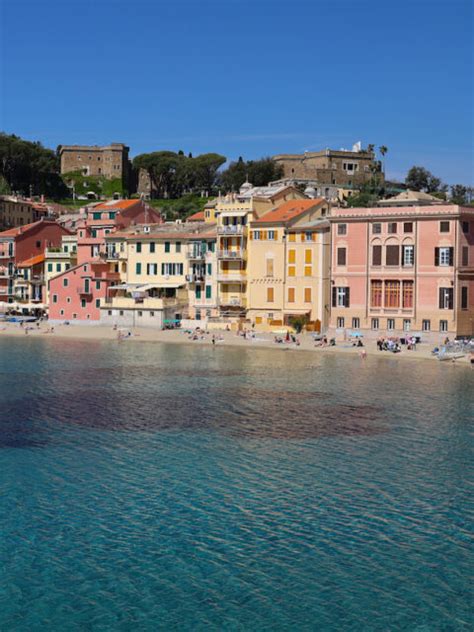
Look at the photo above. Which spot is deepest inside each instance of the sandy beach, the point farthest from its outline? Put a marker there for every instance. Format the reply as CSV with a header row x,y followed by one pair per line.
x,y
222,338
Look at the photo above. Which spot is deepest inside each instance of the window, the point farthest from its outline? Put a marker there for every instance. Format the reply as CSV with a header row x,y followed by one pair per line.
x,y
112,215
307,295
392,294
392,228
390,324
96,215
376,229
464,297
444,227
407,294
342,229
38,244
58,267
355,323
291,271
465,256
292,237
167,246
465,227
341,256
61,312
308,236
376,293
406,324
139,247
308,256
446,298
376,255
256,235
209,269
443,325
271,235
65,282
208,291
74,315
152,268
408,256
121,312
97,302
198,291
270,295
97,285
140,313
291,295
392,256
55,298
340,322
152,246
375,323
308,271
50,267
109,312
426,325
269,266
83,302
340,297
444,256
407,227
291,256
138,268
178,246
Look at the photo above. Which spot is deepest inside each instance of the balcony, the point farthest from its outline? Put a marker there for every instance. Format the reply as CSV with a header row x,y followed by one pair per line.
x,y
232,301
231,254
195,278
83,292
237,277
231,229
196,255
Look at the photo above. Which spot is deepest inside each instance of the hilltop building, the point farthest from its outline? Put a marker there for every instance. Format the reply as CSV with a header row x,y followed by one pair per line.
x,y
110,161
329,168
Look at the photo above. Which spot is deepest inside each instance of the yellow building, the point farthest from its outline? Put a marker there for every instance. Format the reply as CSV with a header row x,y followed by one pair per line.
x,y
288,265
234,212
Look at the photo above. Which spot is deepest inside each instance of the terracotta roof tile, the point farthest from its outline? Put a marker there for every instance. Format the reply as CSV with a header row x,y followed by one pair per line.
x,y
288,211
32,261
196,217
115,204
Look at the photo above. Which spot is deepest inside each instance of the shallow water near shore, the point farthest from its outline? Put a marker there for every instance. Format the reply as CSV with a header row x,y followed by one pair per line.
x,y
160,486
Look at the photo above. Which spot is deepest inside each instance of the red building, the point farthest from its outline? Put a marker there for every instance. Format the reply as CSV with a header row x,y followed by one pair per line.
x,y
20,244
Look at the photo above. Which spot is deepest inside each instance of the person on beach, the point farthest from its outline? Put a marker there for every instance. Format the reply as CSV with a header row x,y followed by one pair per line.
x,y
213,340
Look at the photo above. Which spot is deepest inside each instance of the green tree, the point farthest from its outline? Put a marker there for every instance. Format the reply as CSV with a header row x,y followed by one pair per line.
x,y
259,173
383,150
420,179
459,194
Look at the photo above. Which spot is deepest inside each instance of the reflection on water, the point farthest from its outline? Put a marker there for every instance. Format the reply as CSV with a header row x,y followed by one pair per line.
x,y
154,487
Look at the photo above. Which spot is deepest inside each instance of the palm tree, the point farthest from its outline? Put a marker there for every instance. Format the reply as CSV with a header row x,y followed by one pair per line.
x,y
383,150
370,149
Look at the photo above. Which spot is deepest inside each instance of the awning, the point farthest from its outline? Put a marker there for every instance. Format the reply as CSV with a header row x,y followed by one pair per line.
x,y
159,286
235,213
126,286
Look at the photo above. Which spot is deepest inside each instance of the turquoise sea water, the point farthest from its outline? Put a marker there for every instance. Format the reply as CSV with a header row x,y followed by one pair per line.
x,y
152,486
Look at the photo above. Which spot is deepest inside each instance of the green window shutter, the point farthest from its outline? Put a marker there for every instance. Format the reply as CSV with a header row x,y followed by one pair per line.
x,y
167,246
139,268
208,291
209,268
50,267
198,291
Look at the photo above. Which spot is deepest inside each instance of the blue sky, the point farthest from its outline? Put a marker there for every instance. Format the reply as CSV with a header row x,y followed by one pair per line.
x,y
245,78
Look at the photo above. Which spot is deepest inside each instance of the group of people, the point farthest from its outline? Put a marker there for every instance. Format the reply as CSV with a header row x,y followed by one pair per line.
x,y
388,344
289,338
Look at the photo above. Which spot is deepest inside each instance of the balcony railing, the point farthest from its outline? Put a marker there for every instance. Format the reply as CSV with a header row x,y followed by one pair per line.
x,y
195,254
231,229
84,292
230,254
232,278
232,301
195,278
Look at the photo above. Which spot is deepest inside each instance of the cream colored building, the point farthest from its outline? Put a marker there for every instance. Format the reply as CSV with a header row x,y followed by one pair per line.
x,y
168,272
288,265
234,213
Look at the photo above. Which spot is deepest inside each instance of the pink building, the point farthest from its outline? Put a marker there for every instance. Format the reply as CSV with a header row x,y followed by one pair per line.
x,y
20,244
403,269
105,218
75,294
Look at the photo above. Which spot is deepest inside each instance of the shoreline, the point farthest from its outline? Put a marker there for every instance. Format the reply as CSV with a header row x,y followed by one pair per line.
x,y
101,333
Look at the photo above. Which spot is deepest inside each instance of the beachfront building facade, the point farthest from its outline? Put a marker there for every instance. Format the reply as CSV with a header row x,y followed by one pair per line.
x,y
234,214
20,245
167,272
288,261
403,269
75,294
58,259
